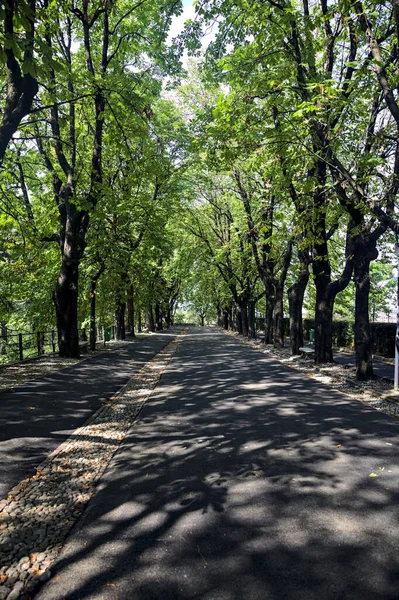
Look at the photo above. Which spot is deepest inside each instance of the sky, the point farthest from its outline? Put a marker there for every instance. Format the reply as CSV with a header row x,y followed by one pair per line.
x,y
178,22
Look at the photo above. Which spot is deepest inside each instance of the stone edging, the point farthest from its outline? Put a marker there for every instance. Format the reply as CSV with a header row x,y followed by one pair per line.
x,y
39,512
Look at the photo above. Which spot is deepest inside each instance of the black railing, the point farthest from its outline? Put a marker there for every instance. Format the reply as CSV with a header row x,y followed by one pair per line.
x,y
18,346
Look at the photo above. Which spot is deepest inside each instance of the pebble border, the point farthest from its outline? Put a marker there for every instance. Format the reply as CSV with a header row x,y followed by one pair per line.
x,y
39,512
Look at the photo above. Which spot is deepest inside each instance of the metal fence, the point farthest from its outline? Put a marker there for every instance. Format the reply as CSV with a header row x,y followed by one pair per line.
x,y
16,346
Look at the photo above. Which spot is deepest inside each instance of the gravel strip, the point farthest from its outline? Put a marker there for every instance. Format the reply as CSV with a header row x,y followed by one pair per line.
x,y
377,393
39,512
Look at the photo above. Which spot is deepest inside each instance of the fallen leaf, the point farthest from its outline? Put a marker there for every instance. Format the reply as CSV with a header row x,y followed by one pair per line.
x,y
339,446
373,475
3,578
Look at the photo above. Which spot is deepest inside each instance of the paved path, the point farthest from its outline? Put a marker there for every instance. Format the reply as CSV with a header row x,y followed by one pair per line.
x,y
40,415
241,480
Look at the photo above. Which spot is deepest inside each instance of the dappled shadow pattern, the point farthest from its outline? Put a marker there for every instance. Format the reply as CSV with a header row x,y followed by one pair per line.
x,y
38,416
241,480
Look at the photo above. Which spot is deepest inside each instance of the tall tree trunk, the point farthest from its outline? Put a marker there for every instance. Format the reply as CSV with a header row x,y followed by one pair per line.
x,y
323,326
66,308
244,318
92,335
93,295
149,319
139,325
269,314
238,320
231,324
296,295
130,311
120,309
251,319
158,317
278,319
365,254
225,320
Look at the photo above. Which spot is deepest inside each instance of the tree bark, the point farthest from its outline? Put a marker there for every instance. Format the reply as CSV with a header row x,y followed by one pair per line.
x,y
323,326
66,308
149,319
120,329
225,320
278,319
366,253
130,311
244,318
296,295
158,317
92,334
251,319
269,314
21,88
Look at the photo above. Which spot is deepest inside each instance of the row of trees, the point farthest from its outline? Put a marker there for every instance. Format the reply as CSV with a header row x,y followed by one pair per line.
x,y
303,155
88,183
272,172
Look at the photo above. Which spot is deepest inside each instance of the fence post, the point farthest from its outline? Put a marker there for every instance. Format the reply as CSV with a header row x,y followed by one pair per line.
x,y
53,339
21,351
39,342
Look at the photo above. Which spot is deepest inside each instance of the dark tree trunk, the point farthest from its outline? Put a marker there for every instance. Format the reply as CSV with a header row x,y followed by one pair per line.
x,y
219,317
149,319
225,320
21,88
93,295
168,318
251,319
296,295
66,308
238,320
120,330
139,326
365,254
244,318
202,318
269,314
130,311
278,319
231,324
323,327
158,317
93,335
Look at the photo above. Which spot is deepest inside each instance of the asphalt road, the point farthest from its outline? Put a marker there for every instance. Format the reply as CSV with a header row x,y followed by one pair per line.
x,y
241,480
38,416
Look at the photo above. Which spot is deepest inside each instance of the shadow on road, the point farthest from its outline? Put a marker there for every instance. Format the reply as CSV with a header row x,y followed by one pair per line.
x,y
242,480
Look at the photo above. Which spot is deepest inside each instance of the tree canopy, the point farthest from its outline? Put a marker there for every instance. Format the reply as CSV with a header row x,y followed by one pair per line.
x,y
144,168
